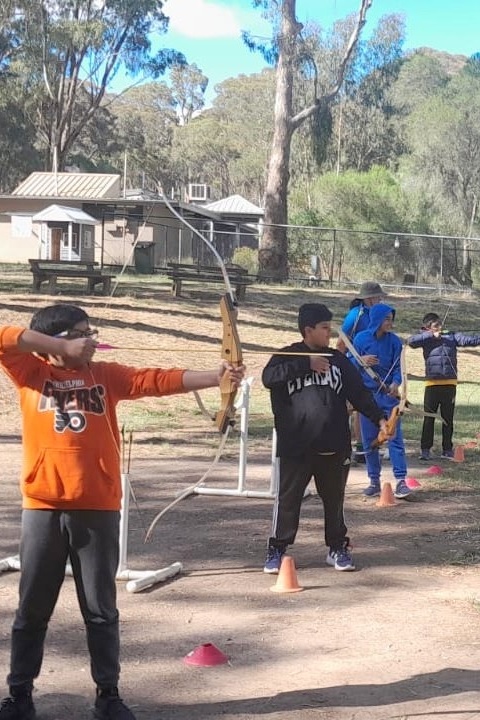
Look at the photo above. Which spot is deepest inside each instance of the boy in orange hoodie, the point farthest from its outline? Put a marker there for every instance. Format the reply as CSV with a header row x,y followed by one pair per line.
x,y
71,488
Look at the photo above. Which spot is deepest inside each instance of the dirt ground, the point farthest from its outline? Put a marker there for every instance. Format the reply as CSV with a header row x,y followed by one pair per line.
x,y
399,638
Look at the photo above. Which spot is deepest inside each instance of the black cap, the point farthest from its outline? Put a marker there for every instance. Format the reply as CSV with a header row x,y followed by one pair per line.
x,y
312,313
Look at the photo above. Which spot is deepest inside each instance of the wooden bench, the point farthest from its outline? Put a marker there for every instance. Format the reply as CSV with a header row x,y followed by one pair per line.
x,y
48,271
182,272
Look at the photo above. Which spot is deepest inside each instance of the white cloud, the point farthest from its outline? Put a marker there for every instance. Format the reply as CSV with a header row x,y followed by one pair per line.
x,y
202,19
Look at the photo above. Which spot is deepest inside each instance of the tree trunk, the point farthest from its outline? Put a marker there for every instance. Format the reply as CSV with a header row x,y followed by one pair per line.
x,y
273,252
273,255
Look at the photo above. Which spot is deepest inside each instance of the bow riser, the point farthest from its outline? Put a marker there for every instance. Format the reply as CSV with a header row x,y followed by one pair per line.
x,y
231,353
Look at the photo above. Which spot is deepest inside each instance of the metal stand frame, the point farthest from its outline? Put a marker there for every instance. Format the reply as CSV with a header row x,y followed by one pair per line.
x,y
137,580
242,404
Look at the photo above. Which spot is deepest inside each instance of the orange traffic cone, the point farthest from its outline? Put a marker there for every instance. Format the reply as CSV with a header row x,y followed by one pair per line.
x,y
287,577
387,498
459,454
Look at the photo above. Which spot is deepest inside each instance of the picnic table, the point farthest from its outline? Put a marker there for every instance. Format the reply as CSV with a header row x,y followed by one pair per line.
x,y
48,271
203,274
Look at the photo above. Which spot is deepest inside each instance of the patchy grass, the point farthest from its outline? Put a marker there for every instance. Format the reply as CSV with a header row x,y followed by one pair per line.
x,y
156,329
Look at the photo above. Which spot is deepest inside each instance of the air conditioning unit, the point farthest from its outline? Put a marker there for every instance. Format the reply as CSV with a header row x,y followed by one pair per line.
x,y
197,191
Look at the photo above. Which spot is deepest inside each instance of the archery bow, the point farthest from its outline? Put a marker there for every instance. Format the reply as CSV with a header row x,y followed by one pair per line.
x,y
231,345
398,410
231,351
354,352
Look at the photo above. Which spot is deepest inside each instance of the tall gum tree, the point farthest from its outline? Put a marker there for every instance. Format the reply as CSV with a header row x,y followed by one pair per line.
x,y
286,50
72,50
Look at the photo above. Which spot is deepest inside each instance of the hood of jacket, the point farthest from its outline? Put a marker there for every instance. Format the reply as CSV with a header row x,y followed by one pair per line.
x,y
377,315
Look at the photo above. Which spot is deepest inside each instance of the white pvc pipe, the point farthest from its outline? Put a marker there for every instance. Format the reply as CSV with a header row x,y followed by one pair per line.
x,y
243,403
234,493
143,579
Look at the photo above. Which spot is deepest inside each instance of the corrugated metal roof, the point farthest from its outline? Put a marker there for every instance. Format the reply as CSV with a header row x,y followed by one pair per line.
x,y
62,213
236,205
62,185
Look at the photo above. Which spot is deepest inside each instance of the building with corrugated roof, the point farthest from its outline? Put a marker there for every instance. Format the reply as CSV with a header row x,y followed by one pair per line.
x,y
131,227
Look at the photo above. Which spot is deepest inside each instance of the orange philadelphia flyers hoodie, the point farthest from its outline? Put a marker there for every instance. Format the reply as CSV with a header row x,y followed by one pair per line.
x,y
71,442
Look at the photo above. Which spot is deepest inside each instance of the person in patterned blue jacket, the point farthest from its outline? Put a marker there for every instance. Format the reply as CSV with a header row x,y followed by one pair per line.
x,y
379,342
441,377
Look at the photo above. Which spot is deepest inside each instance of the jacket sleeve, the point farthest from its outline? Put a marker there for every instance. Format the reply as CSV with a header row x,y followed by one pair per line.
x,y
359,342
129,383
358,395
282,368
418,340
467,340
19,366
349,321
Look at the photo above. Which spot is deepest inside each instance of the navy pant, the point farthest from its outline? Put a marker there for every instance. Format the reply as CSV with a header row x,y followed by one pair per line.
x,y
89,538
435,397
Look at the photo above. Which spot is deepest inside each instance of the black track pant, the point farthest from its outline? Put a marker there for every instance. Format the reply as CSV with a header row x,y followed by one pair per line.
x,y
89,538
330,473
435,397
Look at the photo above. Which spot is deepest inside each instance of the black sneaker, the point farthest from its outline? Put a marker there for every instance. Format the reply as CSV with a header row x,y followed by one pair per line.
x,y
425,455
109,706
17,708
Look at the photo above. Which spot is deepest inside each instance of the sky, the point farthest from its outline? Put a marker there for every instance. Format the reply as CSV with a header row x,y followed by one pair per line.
x,y
208,31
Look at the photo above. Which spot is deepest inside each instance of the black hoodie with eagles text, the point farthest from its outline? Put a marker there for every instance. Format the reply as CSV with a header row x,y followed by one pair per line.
x,y
310,408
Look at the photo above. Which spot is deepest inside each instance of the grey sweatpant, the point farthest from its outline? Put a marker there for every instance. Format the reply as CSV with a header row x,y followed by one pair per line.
x,y
89,538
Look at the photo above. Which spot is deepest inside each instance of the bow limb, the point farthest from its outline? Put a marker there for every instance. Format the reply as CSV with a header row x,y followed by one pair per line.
x,y
398,410
231,345
207,242
189,490
224,418
355,354
403,404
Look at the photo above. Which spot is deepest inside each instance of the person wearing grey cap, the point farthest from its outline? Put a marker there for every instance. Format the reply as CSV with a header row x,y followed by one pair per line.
x,y
356,320
309,394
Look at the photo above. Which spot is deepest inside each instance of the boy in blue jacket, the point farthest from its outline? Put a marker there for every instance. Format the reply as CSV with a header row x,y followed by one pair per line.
x,y
441,377
379,341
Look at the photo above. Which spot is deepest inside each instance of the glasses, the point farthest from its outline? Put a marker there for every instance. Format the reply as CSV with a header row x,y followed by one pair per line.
x,y
77,334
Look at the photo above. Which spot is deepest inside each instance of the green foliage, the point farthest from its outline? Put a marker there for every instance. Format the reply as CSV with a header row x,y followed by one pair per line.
x,y
373,202
68,53
227,146
366,201
18,153
247,258
188,85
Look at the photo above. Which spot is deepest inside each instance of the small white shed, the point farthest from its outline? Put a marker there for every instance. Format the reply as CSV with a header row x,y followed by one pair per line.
x,y
66,233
